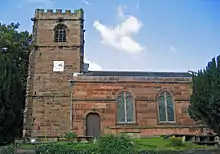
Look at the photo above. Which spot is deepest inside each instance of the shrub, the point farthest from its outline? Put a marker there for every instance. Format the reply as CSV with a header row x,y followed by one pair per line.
x,y
70,136
176,141
113,144
7,149
159,152
60,149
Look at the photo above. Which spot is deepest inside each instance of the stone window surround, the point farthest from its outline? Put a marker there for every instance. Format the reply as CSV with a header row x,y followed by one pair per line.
x,y
59,30
134,122
125,95
164,93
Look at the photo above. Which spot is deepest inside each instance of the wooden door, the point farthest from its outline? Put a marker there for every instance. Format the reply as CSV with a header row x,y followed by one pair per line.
x,y
93,125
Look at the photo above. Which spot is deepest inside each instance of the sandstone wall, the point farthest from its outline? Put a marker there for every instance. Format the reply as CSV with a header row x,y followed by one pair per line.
x,y
98,94
48,93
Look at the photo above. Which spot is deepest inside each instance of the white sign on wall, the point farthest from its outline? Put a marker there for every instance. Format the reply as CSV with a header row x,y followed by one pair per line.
x,y
58,66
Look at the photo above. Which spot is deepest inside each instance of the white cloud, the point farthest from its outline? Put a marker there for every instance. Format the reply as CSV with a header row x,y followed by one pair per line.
x,y
120,36
85,2
93,66
173,48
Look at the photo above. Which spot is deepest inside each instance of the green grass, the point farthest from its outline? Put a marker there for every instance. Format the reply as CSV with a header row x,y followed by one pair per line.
x,y
150,143
158,143
26,146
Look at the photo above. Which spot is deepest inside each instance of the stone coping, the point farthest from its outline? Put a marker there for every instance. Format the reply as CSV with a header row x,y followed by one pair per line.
x,y
131,79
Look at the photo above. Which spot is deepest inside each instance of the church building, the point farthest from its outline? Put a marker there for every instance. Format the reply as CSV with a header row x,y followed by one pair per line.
x,y
64,96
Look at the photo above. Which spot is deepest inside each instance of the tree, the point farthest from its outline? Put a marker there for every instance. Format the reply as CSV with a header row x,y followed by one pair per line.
x,y
14,45
10,99
205,98
9,35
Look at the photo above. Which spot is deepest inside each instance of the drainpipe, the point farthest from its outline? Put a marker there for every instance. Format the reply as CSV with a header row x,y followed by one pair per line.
x,y
71,105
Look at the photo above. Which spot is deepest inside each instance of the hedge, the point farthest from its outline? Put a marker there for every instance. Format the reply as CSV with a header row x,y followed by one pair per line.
x,y
7,149
50,149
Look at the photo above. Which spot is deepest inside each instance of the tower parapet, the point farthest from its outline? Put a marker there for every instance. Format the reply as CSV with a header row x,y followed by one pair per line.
x,y
42,14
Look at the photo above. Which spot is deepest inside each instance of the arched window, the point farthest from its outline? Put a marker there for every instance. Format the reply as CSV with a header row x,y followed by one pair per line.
x,y
125,108
166,108
60,33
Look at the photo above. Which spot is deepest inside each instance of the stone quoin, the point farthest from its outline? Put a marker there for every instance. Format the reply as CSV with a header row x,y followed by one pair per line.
x,y
63,95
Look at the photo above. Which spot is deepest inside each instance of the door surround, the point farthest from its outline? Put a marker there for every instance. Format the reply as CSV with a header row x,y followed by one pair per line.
x,y
93,124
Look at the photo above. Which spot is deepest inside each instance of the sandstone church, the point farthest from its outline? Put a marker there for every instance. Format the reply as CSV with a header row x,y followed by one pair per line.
x,y
64,96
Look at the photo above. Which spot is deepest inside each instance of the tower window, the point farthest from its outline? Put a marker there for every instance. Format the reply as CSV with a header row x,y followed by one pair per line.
x,y
60,33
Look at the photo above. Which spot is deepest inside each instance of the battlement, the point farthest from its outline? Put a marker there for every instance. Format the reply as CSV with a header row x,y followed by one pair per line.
x,y
59,13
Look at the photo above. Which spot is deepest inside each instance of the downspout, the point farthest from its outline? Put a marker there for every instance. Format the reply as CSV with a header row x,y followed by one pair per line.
x,y
71,111
71,106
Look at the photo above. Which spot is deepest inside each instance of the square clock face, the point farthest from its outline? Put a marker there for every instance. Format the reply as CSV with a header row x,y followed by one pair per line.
x,y
58,66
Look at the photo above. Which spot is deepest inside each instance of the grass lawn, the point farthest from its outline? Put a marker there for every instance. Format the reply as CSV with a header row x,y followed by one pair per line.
x,y
151,143
158,143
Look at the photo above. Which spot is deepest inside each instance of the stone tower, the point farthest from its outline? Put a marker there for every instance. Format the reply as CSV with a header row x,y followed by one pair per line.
x,y
58,39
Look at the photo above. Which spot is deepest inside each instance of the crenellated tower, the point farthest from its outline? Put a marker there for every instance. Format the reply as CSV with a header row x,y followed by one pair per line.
x,y
58,39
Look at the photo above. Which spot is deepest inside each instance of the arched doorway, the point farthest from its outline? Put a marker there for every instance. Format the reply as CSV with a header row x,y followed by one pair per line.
x,y
93,125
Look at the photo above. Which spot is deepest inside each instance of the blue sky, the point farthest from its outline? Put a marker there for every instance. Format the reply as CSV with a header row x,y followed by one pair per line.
x,y
144,35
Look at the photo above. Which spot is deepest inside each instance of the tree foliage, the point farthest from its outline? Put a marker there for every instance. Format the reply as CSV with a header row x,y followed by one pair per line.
x,y
10,100
19,44
205,98
14,53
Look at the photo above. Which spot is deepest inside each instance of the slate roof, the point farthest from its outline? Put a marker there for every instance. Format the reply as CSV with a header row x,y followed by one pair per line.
x,y
137,74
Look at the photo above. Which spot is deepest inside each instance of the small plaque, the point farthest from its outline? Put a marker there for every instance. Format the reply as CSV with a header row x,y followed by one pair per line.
x,y
99,105
58,66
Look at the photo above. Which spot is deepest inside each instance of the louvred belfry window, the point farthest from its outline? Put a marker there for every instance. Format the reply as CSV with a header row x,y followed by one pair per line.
x,y
60,33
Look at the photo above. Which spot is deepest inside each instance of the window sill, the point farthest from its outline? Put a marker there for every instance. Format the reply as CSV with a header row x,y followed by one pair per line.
x,y
167,123
126,124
